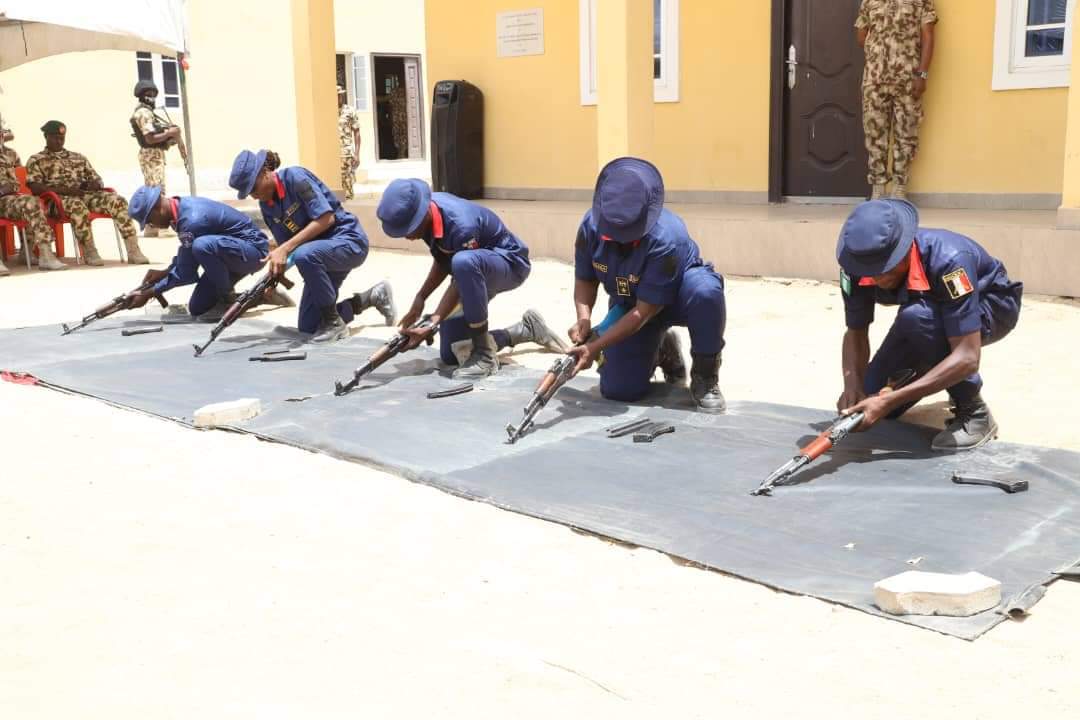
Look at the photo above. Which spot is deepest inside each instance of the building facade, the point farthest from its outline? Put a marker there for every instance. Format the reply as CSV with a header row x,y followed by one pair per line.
x,y
702,87
260,74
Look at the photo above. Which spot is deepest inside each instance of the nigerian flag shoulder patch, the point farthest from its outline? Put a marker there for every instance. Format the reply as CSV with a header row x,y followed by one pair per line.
x,y
845,283
958,284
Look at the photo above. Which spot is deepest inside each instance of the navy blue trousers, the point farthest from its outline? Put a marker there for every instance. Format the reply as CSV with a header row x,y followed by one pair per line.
x,y
917,341
629,366
324,264
223,260
480,275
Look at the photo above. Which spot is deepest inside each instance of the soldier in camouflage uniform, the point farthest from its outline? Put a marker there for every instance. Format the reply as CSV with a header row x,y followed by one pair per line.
x,y
11,158
898,38
71,176
399,119
154,136
349,135
25,208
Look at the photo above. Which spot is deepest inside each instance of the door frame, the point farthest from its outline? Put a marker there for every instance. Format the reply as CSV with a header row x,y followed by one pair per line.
x,y
374,103
778,31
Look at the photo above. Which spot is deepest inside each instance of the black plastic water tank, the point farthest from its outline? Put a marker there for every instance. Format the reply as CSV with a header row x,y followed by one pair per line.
x,y
457,139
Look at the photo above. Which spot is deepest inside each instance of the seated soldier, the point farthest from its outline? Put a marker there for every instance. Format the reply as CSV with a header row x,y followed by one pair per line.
x,y
24,208
70,175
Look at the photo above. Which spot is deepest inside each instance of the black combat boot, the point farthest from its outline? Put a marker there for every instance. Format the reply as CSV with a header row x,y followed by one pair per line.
x,y
481,361
670,358
705,383
332,328
971,426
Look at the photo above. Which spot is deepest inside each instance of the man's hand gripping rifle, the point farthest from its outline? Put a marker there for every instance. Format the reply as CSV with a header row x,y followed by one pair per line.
x,y
556,376
840,429
118,303
397,345
247,300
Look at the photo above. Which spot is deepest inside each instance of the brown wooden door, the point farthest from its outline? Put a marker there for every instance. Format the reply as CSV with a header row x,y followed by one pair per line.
x,y
824,151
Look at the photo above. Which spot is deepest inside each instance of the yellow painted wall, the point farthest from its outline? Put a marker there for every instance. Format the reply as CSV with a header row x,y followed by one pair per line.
x,y
389,27
316,93
977,140
233,104
1071,183
89,92
623,48
537,133
717,136
240,82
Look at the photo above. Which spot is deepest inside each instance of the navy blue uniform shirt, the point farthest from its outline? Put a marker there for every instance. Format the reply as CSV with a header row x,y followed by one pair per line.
x,y
457,224
958,274
651,270
195,217
299,198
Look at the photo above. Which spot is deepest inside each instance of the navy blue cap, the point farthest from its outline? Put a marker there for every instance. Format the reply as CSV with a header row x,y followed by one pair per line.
x,y
403,207
876,237
143,202
628,199
245,170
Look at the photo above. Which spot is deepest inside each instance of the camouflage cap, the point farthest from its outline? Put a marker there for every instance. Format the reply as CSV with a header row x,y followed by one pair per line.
x,y
54,127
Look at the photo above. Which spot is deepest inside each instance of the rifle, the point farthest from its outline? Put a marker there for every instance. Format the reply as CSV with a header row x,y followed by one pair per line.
x,y
161,124
840,429
394,347
118,303
553,379
247,300
557,376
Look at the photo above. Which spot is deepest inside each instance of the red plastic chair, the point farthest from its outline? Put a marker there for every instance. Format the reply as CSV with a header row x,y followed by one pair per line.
x,y
9,227
7,235
60,218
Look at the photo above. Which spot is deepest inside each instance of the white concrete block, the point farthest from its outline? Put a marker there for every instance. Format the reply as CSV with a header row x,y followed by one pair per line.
x,y
227,412
926,593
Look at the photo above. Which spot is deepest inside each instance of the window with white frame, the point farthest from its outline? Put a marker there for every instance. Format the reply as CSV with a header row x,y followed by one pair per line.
x,y
1032,43
352,74
665,50
163,71
360,92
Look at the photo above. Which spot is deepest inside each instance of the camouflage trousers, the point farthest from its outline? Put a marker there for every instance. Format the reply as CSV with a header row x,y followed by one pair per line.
x,y
348,175
152,164
27,208
885,108
79,207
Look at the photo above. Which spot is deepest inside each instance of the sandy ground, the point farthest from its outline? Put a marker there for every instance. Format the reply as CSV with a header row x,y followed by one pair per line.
x,y
150,571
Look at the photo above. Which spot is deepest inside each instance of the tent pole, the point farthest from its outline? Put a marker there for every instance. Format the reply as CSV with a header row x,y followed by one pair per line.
x,y
187,126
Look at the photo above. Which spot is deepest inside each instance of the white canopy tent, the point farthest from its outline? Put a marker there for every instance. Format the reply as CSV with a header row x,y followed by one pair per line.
x,y
34,29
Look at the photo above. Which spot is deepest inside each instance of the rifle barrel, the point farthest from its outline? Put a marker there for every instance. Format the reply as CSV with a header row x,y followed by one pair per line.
x,y
393,347
114,306
358,375
553,379
837,431
782,473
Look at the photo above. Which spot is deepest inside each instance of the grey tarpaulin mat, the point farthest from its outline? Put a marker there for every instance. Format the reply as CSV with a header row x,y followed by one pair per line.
x,y
878,503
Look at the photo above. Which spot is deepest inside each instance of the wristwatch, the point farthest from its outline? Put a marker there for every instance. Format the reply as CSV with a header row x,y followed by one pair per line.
x,y
922,74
